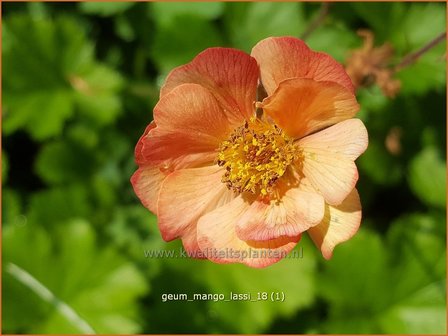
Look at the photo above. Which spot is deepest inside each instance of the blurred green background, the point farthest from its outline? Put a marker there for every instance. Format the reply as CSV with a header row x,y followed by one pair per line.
x,y
79,84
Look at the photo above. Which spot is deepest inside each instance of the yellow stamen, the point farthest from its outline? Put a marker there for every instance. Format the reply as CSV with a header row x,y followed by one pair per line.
x,y
255,156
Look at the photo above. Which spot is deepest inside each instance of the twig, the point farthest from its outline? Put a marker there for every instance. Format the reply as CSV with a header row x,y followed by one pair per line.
x,y
413,56
317,21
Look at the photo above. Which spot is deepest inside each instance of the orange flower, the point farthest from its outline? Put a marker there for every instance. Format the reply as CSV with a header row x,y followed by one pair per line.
x,y
240,186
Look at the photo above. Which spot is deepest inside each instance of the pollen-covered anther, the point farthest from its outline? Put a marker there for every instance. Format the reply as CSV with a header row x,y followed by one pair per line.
x,y
255,157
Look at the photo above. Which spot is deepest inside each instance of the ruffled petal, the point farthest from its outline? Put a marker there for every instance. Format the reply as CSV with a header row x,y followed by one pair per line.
x,y
218,240
229,74
139,157
282,58
190,243
146,182
189,122
302,106
340,223
293,214
188,194
328,158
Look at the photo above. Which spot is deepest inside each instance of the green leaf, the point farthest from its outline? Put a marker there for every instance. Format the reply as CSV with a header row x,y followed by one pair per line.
x,y
294,277
134,228
96,96
357,286
12,208
52,206
371,101
248,23
381,16
105,8
173,46
417,318
166,13
430,68
95,283
124,28
389,287
431,22
115,147
430,71
427,177
419,271
380,165
43,114
83,134
335,41
59,48
41,88
62,162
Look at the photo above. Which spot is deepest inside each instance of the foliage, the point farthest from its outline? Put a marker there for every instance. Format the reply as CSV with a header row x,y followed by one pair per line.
x,y
98,284
389,293
79,84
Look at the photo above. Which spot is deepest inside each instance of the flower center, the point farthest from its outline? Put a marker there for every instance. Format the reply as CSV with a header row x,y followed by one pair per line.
x,y
255,156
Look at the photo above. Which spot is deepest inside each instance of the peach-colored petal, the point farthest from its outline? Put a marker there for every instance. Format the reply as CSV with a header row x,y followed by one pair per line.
x,y
333,176
190,243
282,58
289,216
348,138
139,157
218,240
146,182
302,106
230,75
340,223
147,179
189,121
188,194
328,158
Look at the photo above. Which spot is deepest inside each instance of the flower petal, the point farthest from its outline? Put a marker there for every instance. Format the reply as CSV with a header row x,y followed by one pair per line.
x,y
302,106
187,140
218,240
282,58
139,157
230,75
348,138
146,182
190,243
293,214
189,121
188,194
328,158
340,223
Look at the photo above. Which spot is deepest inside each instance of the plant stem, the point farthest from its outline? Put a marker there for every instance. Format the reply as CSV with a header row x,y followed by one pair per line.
x,y
414,56
318,21
45,294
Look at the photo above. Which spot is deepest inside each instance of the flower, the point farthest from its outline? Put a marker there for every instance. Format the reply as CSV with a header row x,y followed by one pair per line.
x,y
239,180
